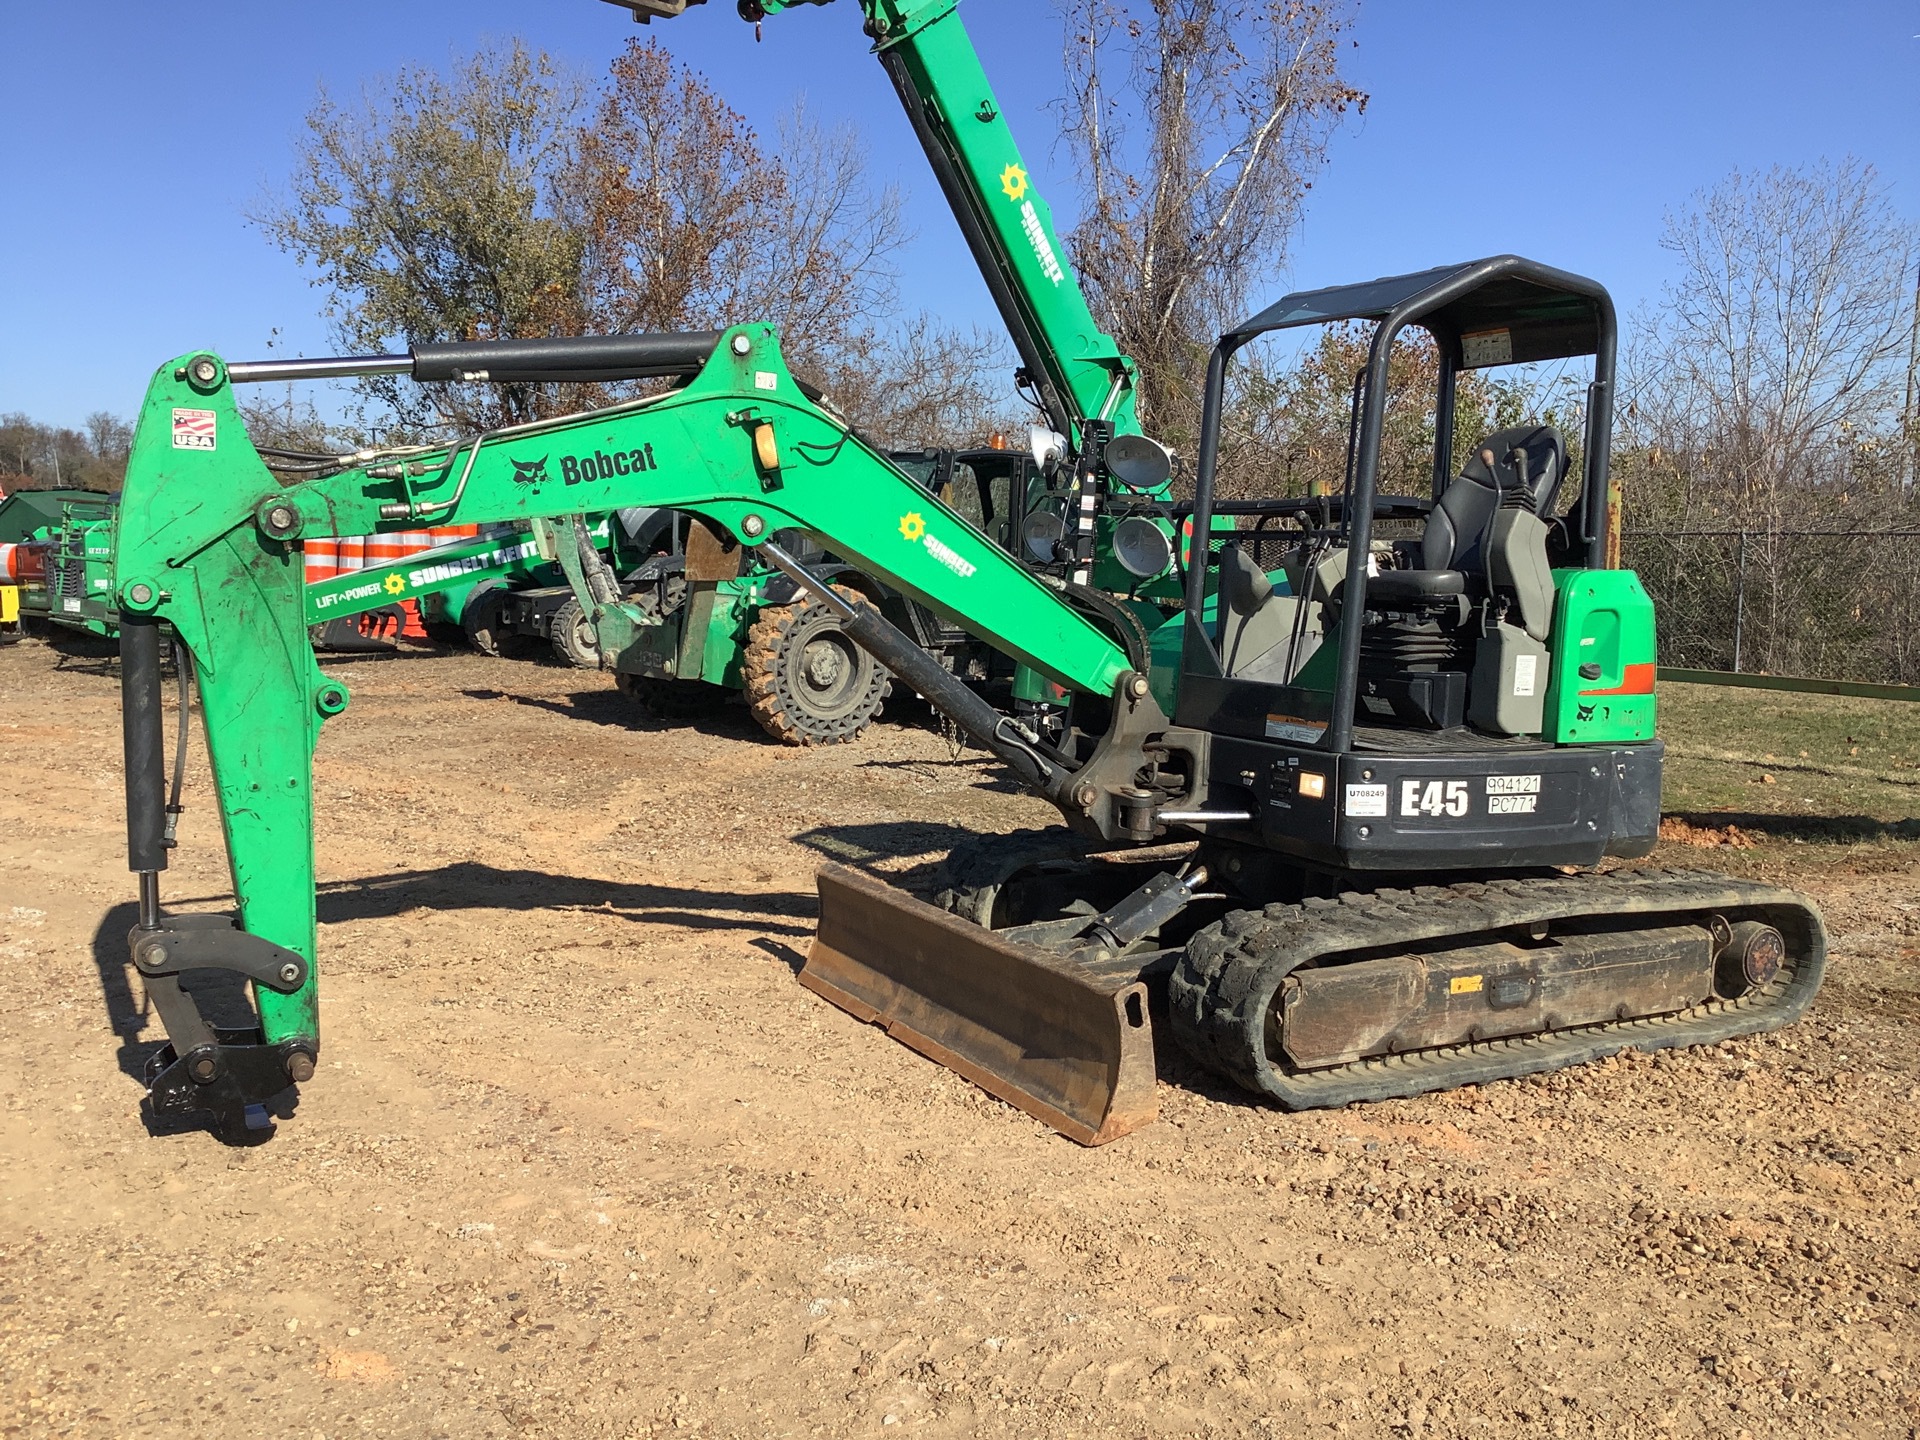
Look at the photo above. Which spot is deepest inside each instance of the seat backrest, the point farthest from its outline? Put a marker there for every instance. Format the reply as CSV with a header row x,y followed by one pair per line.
x,y
1494,475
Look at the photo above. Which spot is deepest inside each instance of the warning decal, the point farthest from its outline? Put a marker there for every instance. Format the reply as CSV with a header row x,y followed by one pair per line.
x,y
193,429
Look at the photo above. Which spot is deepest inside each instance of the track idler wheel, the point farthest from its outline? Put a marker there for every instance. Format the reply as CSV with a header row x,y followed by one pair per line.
x,y
1748,958
807,682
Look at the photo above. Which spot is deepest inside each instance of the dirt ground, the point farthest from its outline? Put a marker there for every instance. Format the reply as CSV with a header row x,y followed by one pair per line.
x,y
583,1159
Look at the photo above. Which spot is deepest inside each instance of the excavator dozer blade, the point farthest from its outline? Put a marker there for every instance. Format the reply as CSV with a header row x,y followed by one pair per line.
x,y
1069,1047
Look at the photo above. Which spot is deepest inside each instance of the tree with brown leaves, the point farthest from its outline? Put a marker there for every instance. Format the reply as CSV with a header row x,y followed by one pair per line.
x,y
1192,201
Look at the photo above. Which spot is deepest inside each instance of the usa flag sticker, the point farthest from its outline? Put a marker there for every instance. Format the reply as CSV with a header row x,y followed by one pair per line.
x,y
193,429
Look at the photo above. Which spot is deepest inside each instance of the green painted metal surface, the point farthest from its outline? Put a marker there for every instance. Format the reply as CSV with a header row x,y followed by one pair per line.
x,y
83,551
991,189
25,511
79,589
194,548
427,572
1603,620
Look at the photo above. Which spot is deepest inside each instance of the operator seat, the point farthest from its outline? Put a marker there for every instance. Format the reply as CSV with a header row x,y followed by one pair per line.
x,y
1518,468
1482,562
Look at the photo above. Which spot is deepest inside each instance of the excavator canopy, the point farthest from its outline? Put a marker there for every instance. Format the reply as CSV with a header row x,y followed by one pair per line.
x,y
1544,313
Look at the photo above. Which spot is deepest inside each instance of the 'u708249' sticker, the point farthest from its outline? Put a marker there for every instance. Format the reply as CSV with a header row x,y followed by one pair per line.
x,y
193,429
1367,800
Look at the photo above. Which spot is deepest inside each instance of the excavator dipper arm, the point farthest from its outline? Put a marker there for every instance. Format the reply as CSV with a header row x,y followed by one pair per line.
x,y
207,542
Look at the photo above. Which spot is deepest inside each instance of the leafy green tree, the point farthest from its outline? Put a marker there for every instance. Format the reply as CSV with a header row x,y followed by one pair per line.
x,y
424,209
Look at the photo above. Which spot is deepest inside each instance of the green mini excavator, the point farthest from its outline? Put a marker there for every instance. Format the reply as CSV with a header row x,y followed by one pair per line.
x,y
1340,773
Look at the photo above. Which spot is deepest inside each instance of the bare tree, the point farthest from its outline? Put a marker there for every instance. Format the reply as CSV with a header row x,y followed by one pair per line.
x,y
109,438
1288,426
40,457
687,221
1765,398
1184,207
927,384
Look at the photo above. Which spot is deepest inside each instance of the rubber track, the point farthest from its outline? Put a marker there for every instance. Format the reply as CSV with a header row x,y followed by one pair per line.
x,y
1227,978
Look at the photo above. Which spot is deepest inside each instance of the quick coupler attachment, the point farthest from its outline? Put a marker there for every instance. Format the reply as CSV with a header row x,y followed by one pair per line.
x,y
205,1070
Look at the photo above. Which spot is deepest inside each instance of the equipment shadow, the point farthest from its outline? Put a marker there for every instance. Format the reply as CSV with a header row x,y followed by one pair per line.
x,y
872,847
611,708
1808,829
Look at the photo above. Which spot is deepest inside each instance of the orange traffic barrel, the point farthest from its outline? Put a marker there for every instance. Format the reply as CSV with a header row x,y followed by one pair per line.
x,y
321,556
21,561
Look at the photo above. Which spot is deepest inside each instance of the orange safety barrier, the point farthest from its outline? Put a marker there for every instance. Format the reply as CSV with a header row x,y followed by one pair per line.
x,y
320,554
327,556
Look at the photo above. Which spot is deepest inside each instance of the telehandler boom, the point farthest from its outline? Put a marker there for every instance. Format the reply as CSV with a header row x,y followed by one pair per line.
x,y
1077,376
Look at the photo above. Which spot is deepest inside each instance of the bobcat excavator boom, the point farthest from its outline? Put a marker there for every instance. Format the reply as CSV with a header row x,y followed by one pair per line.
x,y
208,542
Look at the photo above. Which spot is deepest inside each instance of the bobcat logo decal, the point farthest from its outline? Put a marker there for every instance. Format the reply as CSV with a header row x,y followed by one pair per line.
x,y
530,472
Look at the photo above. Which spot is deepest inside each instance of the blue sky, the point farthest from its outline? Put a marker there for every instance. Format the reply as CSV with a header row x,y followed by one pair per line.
x,y
133,136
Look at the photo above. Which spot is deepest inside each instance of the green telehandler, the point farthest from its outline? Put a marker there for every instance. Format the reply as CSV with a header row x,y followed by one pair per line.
x,y
748,629
1337,772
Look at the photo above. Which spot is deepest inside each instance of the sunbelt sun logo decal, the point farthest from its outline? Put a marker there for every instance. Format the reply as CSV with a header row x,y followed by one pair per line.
x,y
913,527
1015,184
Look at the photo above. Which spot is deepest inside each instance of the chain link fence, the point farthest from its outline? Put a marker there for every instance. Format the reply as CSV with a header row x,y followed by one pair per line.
x,y
1826,601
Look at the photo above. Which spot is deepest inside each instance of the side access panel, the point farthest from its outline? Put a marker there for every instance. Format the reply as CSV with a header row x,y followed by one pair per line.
x,y
1071,1048
1600,687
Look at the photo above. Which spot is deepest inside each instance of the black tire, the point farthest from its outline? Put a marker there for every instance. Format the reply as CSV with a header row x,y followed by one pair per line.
x,y
672,699
807,682
978,870
484,620
575,640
